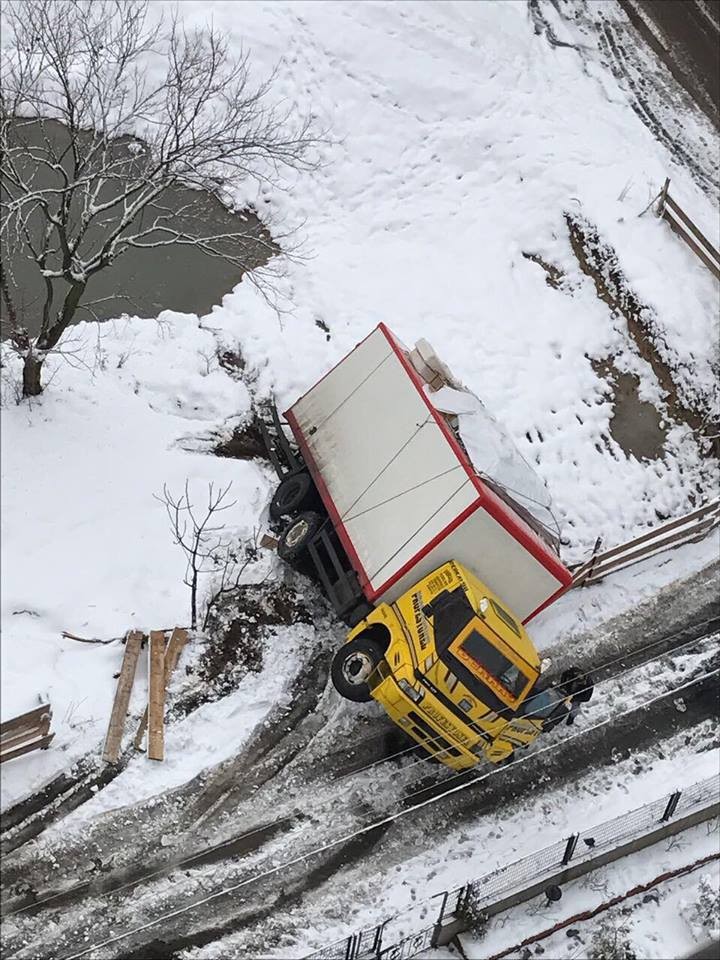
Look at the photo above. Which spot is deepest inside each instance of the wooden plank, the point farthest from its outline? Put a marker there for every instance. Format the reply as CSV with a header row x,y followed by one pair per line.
x,y
156,696
677,228
689,528
111,750
41,744
29,719
21,736
657,532
172,654
23,731
697,532
679,212
645,544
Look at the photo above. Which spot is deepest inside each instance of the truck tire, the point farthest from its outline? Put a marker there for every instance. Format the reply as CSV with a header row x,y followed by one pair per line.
x,y
297,535
294,494
352,665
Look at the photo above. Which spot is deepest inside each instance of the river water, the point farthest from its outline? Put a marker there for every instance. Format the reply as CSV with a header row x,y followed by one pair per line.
x,y
140,282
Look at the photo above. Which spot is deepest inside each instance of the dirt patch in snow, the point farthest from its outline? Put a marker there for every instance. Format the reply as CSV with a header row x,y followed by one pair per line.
x,y
66,792
554,276
246,443
238,634
598,261
636,425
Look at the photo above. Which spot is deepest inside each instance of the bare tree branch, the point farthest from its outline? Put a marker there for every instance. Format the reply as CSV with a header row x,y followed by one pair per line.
x,y
92,138
209,550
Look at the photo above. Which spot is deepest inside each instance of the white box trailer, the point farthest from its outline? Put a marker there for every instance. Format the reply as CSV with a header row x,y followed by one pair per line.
x,y
412,472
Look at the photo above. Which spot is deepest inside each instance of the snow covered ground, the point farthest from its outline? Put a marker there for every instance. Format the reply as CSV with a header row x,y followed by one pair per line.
x,y
460,138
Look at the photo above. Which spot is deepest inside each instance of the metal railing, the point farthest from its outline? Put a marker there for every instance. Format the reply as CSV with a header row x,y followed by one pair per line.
x,y
415,930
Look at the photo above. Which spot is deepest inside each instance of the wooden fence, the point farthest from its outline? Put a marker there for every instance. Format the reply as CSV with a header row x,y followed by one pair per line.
x,y
30,731
687,529
681,223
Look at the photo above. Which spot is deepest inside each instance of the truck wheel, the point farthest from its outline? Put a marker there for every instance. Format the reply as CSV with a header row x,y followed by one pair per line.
x,y
352,665
294,493
297,535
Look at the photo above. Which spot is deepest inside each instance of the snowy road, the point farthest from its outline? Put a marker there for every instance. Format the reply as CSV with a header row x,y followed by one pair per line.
x,y
316,800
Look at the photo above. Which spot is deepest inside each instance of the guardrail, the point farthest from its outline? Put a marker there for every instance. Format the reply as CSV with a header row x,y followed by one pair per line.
x,y
670,211
29,731
687,529
409,933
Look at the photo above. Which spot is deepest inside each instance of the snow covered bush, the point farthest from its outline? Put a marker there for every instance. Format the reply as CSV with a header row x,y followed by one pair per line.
x,y
611,941
705,913
472,914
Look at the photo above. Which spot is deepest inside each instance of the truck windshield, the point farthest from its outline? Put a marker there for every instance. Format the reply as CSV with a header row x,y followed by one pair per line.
x,y
490,659
452,614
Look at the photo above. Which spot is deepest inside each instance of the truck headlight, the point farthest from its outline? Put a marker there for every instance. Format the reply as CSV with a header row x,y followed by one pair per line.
x,y
407,688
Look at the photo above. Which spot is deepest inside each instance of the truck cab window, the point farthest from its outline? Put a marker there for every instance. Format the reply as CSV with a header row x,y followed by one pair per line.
x,y
490,659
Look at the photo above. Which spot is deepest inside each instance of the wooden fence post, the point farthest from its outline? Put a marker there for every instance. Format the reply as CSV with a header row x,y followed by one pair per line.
x,y
156,695
663,197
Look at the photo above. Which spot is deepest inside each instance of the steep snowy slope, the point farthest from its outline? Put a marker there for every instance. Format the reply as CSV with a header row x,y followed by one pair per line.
x,y
458,140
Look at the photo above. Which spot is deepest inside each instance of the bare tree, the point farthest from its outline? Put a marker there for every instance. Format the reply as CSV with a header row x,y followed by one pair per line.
x,y
93,135
207,547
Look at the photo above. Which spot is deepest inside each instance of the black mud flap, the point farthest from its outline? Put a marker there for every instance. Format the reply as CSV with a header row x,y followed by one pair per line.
x,y
281,453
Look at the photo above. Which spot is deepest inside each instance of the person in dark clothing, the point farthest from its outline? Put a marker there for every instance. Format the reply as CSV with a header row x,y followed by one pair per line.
x,y
580,689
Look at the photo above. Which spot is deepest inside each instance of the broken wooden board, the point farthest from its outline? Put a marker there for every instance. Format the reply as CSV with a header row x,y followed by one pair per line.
x,y
42,744
113,740
30,731
172,655
156,696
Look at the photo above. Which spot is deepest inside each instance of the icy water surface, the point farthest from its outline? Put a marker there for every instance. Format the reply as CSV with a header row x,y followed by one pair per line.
x,y
142,282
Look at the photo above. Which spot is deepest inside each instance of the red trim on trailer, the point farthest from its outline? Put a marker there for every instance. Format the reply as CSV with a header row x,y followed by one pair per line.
x,y
516,527
329,504
446,531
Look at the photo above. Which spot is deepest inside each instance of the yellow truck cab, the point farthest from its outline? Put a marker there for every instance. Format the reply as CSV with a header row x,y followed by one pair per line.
x,y
453,667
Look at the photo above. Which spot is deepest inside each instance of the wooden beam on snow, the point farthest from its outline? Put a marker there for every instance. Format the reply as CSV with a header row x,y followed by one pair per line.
x,y
156,695
172,655
111,750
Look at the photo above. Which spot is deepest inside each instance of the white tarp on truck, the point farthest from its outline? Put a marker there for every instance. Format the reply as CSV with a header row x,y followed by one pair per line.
x,y
400,489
